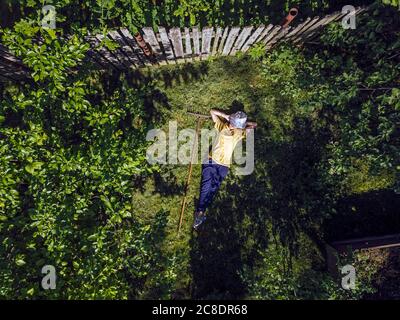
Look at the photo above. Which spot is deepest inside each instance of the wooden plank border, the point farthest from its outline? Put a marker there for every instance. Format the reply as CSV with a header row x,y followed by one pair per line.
x,y
252,39
150,37
180,45
230,40
241,39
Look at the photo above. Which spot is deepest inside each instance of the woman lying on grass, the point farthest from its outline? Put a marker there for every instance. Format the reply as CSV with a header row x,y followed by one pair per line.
x,y
231,129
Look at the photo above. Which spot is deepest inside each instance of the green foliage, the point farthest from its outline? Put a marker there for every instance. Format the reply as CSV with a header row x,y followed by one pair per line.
x,y
257,51
282,276
273,278
69,152
77,192
191,9
362,92
346,87
395,3
134,14
360,179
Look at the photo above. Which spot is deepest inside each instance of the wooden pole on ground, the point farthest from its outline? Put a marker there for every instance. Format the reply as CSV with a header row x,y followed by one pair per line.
x,y
194,151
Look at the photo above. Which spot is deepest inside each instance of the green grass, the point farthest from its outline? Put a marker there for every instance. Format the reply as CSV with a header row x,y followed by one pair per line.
x,y
222,83
280,200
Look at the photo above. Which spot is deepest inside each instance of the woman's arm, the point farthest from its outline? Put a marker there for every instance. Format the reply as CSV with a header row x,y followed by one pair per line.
x,y
215,114
251,125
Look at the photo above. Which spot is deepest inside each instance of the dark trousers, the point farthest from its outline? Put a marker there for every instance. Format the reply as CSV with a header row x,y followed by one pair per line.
x,y
212,175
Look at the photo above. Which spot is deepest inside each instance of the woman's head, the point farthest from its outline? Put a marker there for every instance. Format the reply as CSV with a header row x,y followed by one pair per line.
x,y
238,120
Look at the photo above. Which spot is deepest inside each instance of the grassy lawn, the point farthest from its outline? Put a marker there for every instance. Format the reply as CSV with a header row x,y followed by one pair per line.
x,y
248,211
224,84
227,84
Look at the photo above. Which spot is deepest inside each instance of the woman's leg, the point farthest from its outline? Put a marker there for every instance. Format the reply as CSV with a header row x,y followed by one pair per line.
x,y
208,173
211,178
221,173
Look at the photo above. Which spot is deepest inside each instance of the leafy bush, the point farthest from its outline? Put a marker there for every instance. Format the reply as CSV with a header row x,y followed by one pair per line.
x,y
69,153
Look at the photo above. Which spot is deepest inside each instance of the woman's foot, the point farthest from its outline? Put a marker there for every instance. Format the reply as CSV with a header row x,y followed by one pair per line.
x,y
199,218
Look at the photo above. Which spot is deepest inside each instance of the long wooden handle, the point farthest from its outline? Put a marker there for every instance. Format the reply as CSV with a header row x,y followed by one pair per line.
x,y
197,114
189,174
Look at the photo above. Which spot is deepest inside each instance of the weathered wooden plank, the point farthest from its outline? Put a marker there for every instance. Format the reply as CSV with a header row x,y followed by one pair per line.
x,y
106,58
253,38
282,32
150,38
310,29
188,44
241,39
206,41
123,55
196,41
5,65
230,40
94,56
5,53
176,40
10,72
271,35
175,36
166,45
97,59
125,47
304,28
4,77
217,36
362,10
117,59
296,30
327,19
14,68
308,25
265,32
335,17
134,45
11,63
341,15
223,39
316,27
386,241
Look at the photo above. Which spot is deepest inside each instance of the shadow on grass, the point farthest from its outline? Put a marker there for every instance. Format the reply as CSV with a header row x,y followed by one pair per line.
x,y
169,75
369,214
184,73
284,192
166,183
216,255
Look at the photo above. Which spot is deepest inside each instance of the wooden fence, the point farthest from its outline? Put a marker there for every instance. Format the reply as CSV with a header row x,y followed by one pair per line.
x,y
337,248
180,45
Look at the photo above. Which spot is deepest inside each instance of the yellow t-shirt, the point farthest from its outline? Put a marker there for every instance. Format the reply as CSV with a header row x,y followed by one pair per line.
x,y
225,143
